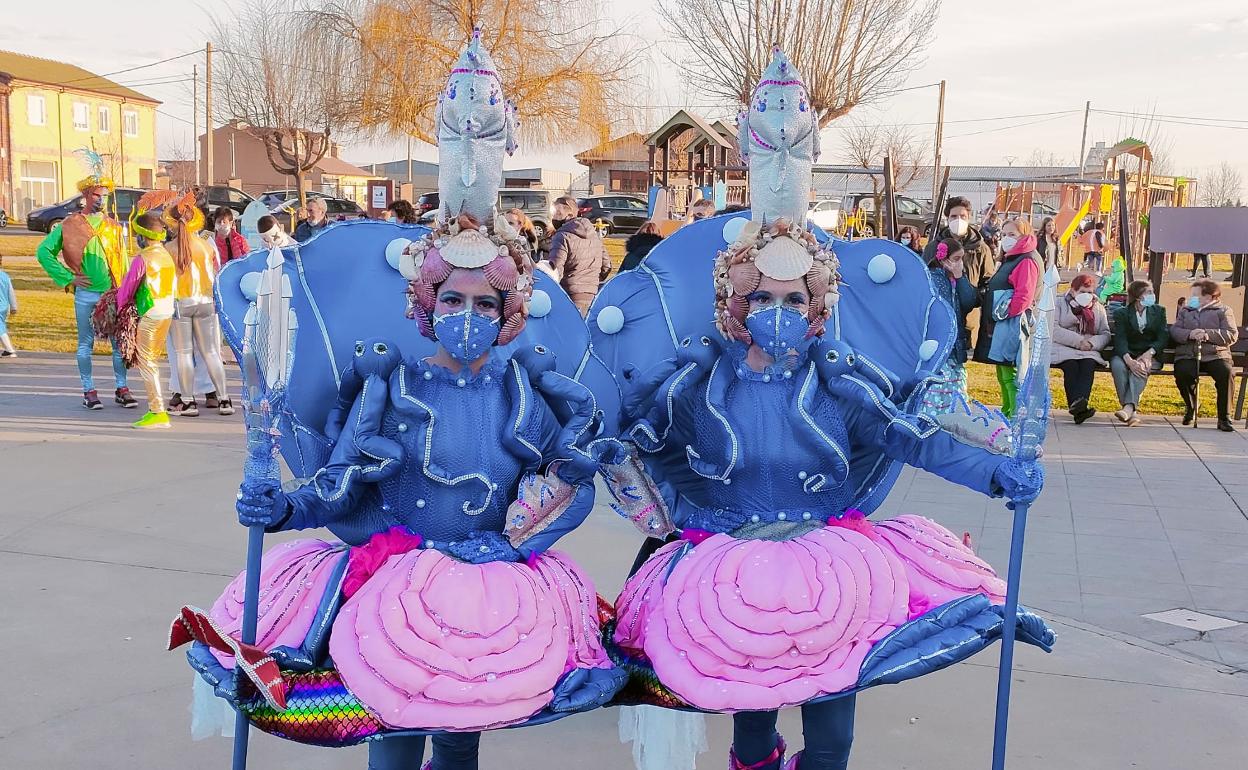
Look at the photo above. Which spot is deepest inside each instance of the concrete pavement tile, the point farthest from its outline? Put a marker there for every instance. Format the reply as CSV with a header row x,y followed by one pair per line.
x,y
1234,653
1142,529
1210,573
1144,570
1228,601
1202,648
1163,596
1104,546
1135,511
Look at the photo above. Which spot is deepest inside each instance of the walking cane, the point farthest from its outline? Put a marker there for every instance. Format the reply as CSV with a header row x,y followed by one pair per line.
x,y
1196,390
268,352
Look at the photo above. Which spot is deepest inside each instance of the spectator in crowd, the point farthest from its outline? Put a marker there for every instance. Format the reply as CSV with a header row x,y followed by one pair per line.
x,y
1140,335
639,245
1094,243
1204,331
701,209
949,276
230,242
1198,260
519,220
1011,291
908,236
992,228
1115,281
316,221
271,232
401,212
732,208
1047,245
8,307
578,257
1080,331
978,260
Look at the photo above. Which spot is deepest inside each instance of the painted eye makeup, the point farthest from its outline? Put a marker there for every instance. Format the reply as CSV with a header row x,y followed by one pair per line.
x,y
759,298
796,298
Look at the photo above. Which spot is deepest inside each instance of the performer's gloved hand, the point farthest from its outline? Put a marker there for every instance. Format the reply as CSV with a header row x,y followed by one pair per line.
x,y
1019,480
480,548
260,503
586,688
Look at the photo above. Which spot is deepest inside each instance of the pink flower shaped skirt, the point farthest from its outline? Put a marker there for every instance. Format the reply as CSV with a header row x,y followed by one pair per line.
x,y
747,625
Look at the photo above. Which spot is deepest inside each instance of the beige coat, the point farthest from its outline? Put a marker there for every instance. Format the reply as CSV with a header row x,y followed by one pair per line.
x,y
1066,336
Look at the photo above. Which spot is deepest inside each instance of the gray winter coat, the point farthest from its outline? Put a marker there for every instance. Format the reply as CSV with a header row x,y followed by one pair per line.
x,y
1214,318
579,258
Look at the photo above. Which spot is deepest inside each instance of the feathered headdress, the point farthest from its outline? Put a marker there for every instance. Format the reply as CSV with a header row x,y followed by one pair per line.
x,y
95,170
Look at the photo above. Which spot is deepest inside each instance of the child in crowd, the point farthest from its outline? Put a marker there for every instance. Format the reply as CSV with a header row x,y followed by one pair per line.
x,y
151,285
8,307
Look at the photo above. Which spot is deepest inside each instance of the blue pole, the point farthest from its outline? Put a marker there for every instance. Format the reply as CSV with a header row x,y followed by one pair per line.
x,y
251,601
1004,674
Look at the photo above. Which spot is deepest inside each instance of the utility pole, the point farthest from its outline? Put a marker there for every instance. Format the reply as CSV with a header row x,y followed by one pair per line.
x,y
409,159
1083,143
208,141
195,122
940,136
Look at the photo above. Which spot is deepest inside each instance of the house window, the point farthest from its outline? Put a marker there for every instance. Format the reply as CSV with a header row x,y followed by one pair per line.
x,y
145,178
36,110
38,184
106,120
130,122
629,181
82,120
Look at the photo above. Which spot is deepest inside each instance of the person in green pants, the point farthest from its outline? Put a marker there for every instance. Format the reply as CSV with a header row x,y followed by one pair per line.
x,y
83,254
1012,291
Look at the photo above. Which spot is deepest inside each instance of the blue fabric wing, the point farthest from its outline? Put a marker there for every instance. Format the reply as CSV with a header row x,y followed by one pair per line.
x,y
345,289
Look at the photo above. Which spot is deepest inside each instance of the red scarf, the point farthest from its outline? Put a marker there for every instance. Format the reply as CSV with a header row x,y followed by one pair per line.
x,y
1086,315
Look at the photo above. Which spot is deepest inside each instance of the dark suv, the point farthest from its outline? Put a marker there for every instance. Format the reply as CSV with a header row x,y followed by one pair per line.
x,y
909,212
42,220
215,196
621,213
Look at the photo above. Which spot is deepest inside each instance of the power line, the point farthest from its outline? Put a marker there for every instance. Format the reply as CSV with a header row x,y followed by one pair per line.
x,y
1171,122
1007,128
1128,113
130,69
174,117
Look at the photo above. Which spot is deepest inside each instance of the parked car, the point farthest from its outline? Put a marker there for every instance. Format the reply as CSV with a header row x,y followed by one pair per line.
x,y
218,195
427,204
336,209
42,220
826,213
909,213
537,205
274,198
620,213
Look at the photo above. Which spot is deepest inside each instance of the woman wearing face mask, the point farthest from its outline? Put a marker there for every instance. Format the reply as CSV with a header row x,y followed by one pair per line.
x,y
230,242
1204,331
1080,331
1047,245
523,225
1010,293
1140,335
978,260
949,276
909,237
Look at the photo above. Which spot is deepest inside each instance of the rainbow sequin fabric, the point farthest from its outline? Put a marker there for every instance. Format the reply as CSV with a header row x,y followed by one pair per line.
x,y
320,711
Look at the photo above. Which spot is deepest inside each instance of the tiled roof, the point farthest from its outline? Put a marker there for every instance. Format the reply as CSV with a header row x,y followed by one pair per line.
x,y
55,73
628,147
336,167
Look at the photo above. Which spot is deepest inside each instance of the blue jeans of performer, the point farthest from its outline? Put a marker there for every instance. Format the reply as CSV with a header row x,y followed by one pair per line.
x,y
451,751
84,304
827,728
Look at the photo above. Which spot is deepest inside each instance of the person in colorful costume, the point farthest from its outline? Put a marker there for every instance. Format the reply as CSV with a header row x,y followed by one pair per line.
x,y
450,476
150,286
85,252
779,592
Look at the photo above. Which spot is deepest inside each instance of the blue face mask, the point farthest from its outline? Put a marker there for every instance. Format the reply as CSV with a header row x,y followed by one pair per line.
x,y
778,329
1193,303
1149,300
465,335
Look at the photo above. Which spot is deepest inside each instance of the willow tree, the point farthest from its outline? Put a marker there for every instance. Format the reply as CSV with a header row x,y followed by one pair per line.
x,y
849,51
568,73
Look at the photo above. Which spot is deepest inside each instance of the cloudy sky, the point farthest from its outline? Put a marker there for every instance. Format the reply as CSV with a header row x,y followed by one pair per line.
x,y
1187,61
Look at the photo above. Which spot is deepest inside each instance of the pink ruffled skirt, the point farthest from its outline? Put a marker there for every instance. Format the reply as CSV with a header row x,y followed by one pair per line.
x,y
749,625
429,642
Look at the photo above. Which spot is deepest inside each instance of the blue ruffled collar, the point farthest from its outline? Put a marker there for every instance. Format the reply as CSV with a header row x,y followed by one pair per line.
x,y
737,352
491,371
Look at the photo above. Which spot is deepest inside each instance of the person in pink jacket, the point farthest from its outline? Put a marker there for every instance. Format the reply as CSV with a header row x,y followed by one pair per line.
x,y
1080,333
1011,292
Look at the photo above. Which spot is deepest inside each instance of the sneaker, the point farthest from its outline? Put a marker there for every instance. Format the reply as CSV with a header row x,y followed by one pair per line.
x,y
225,407
122,396
8,354
175,402
189,409
153,421
211,401
1225,426
1122,415
91,400
1188,414
1084,416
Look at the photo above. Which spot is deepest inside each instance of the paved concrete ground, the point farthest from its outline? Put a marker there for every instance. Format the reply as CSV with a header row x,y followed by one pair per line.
x,y
105,532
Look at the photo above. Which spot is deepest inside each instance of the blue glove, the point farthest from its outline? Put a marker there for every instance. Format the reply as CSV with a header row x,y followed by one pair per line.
x,y
1019,480
586,688
260,503
480,548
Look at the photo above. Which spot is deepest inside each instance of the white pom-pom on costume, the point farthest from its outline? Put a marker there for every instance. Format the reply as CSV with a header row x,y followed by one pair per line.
x,y
248,285
928,349
539,304
610,319
394,250
881,268
733,228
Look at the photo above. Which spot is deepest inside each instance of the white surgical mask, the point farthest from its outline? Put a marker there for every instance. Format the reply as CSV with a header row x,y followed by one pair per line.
x,y
957,225
223,228
1084,298
1007,243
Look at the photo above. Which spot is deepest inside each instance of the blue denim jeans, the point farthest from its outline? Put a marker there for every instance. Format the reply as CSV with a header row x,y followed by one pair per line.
x,y
451,751
84,304
827,728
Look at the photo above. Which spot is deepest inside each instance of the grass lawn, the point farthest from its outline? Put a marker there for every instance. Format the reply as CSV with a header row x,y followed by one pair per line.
x,y
46,323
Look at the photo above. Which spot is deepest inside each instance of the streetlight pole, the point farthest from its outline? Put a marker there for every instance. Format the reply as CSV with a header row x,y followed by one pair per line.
x,y
940,136
208,170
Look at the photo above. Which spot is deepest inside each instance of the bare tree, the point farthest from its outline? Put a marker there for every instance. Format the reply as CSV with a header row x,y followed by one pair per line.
x,y
280,77
849,51
1222,186
1040,157
866,145
567,72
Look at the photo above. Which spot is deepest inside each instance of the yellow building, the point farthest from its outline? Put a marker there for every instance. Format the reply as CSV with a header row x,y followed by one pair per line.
x,y
48,109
